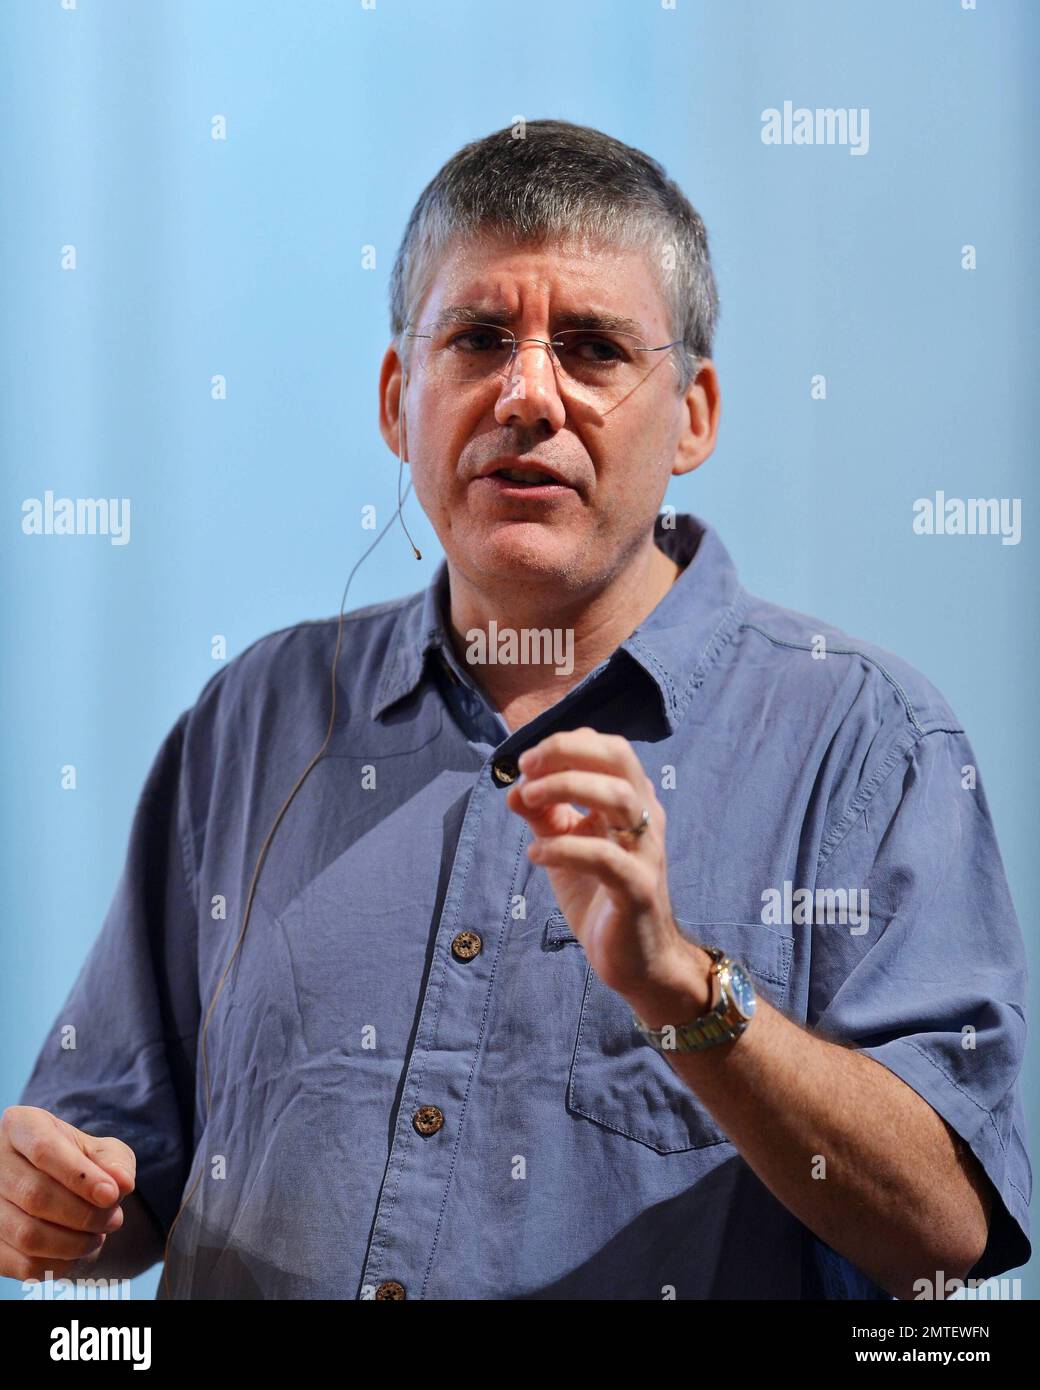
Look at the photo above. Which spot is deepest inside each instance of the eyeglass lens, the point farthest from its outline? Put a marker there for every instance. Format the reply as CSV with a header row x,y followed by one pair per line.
x,y
606,364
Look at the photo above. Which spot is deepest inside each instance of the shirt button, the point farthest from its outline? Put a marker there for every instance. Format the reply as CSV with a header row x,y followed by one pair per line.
x,y
466,945
504,771
390,1288
427,1119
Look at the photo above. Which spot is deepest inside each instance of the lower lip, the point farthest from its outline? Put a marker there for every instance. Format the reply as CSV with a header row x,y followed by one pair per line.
x,y
537,492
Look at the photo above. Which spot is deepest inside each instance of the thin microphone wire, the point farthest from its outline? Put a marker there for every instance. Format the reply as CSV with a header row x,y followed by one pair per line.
x,y
262,856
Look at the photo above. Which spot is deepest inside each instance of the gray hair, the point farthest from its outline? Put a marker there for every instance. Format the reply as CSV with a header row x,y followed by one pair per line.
x,y
555,180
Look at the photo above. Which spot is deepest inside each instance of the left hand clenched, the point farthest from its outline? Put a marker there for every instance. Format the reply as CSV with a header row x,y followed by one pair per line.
x,y
612,889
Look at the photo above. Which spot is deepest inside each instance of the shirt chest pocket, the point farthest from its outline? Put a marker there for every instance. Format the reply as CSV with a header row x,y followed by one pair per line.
x,y
620,1082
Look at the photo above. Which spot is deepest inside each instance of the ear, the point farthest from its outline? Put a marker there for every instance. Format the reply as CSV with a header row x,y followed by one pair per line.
x,y
391,376
703,410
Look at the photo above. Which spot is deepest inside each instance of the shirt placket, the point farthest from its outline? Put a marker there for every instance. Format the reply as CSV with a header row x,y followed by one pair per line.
x,y
488,868
489,862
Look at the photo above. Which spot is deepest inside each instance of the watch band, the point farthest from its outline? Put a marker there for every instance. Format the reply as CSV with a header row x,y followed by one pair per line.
x,y
723,1023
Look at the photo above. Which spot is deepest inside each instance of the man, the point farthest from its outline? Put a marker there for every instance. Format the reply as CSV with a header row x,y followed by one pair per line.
x,y
631,937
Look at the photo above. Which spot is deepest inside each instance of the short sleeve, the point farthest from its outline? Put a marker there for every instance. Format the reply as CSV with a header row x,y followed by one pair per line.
x,y
932,981
119,1058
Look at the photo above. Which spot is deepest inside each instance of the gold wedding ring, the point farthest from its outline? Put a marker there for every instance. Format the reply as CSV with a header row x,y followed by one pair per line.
x,y
639,829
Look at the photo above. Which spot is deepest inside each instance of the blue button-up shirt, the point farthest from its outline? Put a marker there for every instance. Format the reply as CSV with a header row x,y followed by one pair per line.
x,y
392,1106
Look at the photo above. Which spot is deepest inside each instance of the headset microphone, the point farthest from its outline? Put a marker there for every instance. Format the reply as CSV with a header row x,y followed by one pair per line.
x,y
418,552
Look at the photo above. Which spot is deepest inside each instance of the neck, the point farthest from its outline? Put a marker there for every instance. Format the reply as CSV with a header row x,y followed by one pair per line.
x,y
585,627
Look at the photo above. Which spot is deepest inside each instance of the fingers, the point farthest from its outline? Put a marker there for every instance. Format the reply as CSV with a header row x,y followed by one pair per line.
x,y
621,873
37,1239
59,1193
41,1196
600,771
584,749
15,1265
587,768
66,1154
117,1159
554,819
619,802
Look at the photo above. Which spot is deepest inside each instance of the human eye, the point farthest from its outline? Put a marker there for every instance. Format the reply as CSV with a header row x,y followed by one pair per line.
x,y
476,339
592,348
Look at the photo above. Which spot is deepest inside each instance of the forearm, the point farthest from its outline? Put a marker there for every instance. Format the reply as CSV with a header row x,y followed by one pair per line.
x,y
857,1155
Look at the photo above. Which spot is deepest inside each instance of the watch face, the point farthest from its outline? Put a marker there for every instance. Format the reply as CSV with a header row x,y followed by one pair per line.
x,y
741,990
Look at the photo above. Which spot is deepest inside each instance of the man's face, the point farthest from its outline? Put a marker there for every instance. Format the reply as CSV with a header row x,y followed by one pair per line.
x,y
616,458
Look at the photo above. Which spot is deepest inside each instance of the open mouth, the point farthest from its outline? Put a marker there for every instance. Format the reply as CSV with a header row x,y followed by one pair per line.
x,y
524,479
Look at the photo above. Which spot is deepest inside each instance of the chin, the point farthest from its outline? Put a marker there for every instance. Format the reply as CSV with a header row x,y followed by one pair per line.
x,y
505,549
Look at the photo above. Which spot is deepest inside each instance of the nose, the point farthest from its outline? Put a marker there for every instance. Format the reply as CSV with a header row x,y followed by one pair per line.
x,y
530,392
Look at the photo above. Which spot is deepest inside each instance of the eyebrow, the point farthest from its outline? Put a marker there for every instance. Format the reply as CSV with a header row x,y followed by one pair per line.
x,y
603,319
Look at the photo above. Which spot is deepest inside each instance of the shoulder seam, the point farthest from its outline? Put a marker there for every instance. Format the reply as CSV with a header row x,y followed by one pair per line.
x,y
848,651
859,803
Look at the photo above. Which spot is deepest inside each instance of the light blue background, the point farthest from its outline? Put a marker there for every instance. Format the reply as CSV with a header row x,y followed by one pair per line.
x,y
243,257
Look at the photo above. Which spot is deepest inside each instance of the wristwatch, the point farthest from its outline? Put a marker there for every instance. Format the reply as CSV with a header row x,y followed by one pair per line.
x,y
726,1021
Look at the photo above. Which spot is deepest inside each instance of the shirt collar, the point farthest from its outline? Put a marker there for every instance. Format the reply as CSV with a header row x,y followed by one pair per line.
x,y
673,646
